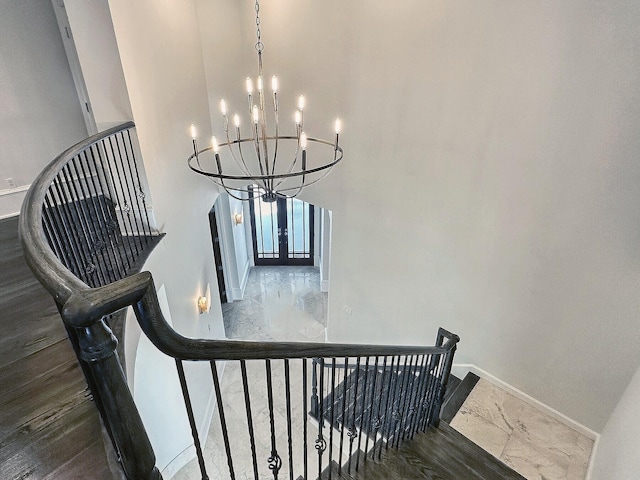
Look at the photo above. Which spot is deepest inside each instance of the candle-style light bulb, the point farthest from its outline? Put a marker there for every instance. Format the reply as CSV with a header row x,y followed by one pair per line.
x,y
297,117
338,126
260,83
301,102
236,120
223,107
303,141
274,84
249,83
256,114
193,131
214,144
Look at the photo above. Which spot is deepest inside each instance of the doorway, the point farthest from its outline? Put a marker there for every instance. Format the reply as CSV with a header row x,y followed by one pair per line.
x,y
217,255
282,231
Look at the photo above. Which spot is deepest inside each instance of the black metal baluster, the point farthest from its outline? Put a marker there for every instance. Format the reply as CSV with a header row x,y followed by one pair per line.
x,y
141,193
435,372
423,391
110,197
304,416
397,403
66,216
125,209
321,443
287,393
62,252
353,431
101,242
192,421
82,226
409,410
314,388
93,229
378,421
417,398
247,404
388,411
372,428
128,190
344,413
403,400
274,461
332,417
137,189
363,428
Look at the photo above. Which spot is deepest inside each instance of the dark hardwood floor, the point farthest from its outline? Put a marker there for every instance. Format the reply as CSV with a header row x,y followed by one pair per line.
x,y
49,427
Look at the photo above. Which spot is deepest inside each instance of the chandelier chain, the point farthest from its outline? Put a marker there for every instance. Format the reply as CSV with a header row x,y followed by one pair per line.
x,y
259,44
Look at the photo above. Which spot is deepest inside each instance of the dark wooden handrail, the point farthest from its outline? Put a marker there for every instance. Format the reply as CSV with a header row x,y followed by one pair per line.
x,y
83,308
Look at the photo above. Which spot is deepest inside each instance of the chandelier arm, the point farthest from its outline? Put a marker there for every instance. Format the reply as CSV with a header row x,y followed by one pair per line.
x,y
324,174
242,167
228,190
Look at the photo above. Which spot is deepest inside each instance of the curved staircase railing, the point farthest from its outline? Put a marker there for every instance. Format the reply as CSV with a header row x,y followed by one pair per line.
x,y
285,409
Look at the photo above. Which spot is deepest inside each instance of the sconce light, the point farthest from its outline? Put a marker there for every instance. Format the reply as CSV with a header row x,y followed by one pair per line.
x,y
204,301
237,217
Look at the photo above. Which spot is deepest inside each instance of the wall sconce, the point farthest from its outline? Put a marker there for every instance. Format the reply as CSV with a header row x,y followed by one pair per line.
x,y
237,217
204,301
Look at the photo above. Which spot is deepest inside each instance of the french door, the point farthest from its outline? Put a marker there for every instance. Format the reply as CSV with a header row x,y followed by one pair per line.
x,y
282,231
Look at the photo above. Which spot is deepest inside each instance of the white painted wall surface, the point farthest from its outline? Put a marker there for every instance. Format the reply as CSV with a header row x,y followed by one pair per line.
x,y
39,110
618,453
490,176
92,32
161,58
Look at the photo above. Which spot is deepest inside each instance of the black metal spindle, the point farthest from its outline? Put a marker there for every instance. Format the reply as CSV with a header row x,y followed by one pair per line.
x,y
82,223
372,428
136,190
314,388
274,460
321,443
85,201
100,220
129,191
192,421
435,374
409,408
353,431
397,396
57,235
141,192
403,398
111,199
287,393
125,209
379,419
363,426
64,210
389,407
247,404
331,416
343,421
417,399
304,417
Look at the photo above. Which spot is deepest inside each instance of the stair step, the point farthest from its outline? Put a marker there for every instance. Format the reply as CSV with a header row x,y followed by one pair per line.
x,y
452,404
439,454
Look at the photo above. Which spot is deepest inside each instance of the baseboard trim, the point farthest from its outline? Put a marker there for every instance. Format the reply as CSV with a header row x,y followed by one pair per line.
x,y
175,465
461,369
324,286
9,215
11,201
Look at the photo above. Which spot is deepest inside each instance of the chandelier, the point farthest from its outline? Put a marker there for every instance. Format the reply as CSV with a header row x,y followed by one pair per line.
x,y
277,165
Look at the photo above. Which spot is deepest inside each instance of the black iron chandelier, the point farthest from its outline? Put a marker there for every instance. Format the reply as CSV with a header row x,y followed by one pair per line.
x,y
279,165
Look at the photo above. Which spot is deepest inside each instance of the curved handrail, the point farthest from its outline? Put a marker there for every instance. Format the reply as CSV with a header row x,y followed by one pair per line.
x,y
49,270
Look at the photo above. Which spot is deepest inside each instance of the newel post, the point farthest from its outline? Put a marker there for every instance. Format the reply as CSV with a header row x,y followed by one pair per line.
x,y
97,347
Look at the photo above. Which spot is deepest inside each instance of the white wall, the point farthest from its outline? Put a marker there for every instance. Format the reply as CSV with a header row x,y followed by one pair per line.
x,y
161,59
618,453
98,54
489,182
39,110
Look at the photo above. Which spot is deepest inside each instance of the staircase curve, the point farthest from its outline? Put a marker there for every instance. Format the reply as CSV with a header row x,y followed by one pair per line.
x,y
305,407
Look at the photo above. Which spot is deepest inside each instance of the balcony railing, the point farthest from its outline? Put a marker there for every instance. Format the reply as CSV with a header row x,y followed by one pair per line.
x,y
304,407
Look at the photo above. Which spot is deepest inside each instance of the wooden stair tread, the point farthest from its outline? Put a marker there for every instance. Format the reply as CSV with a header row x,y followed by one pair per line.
x,y
439,454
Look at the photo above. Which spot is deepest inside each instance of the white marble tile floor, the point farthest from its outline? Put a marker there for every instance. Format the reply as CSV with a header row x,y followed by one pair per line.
x,y
531,442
